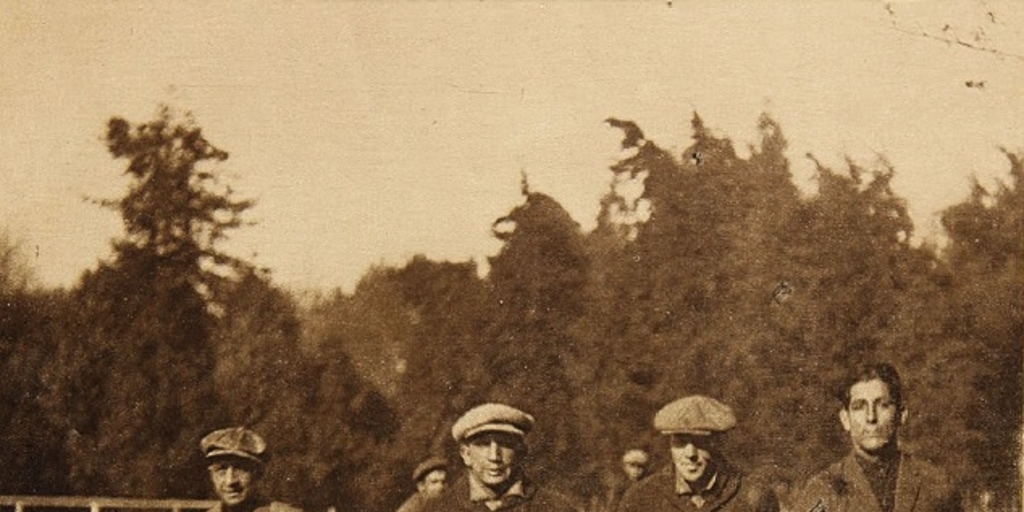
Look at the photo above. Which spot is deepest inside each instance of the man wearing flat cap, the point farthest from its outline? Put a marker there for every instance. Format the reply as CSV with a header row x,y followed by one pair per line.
x,y
492,445
235,458
699,478
431,478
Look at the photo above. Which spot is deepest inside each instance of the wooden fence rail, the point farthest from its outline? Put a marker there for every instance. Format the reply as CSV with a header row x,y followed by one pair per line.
x,y
98,503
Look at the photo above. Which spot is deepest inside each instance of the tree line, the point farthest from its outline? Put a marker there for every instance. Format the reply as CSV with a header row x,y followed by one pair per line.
x,y
707,273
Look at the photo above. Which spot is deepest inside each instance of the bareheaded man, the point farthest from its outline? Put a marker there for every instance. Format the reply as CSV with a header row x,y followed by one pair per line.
x,y
876,476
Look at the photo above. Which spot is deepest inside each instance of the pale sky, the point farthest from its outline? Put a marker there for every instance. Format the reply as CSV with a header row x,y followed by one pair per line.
x,y
369,132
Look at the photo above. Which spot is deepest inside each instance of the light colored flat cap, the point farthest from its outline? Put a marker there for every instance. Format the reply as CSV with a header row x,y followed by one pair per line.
x,y
234,442
492,418
424,468
697,415
637,457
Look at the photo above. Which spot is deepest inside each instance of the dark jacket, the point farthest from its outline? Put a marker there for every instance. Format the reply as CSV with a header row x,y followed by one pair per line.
x,y
920,487
536,499
258,505
415,503
615,493
730,493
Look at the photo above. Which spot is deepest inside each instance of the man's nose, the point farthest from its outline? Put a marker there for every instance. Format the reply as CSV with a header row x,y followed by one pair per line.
x,y
494,451
231,476
872,414
690,451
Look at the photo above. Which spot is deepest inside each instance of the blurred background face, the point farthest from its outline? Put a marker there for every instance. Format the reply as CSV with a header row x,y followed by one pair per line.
x,y
872,417
434,483
233,480
692,456
491,457
633,470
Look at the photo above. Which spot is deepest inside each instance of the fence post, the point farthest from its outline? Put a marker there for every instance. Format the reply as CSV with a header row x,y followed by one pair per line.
x,y
19,506
94,506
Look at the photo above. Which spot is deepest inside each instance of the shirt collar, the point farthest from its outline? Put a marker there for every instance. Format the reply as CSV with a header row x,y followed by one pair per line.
x,y
478,492
683,487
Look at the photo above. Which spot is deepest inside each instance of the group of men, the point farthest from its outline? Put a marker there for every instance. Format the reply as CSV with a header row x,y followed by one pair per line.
x,y
876,476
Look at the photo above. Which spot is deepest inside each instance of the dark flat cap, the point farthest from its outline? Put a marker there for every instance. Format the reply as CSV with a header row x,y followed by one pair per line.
x,y
696,414
234,442
492,418
424,468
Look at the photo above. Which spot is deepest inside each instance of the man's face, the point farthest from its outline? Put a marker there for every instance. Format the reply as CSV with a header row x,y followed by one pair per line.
x,y
692,456
433,483
491,457
872,417
233,480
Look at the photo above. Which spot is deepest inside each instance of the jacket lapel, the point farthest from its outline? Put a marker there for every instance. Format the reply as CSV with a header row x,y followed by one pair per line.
x,y
725,488
908,485
667,486
861,498
460,495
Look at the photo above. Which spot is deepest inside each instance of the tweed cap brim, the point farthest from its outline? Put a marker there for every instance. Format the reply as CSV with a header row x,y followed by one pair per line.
x,y
492,417
428,466
636,457
238,442
694,415
493,427
224,454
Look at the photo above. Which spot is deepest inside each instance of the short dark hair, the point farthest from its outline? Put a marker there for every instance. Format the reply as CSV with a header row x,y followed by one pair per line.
x,y
884,372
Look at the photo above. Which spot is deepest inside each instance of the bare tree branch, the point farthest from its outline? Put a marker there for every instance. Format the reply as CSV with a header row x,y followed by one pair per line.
x,y
952,38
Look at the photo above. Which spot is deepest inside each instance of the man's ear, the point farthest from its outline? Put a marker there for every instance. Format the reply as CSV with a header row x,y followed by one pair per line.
x,y
903,417
464,453
844,418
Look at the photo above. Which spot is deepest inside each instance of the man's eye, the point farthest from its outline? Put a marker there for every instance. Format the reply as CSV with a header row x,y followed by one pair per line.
x,y
859,405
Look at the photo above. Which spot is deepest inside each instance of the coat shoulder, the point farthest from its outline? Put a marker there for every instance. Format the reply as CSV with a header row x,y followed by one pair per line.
x,y
822,488
414,503
277,506
448,501
555,501
927,471
936,485
641,496
757,494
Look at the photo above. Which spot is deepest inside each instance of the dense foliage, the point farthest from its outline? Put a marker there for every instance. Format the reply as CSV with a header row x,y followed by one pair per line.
x,y
708,273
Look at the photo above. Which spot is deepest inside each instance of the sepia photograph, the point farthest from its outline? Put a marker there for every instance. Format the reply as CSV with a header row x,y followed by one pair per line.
x,y
511,255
